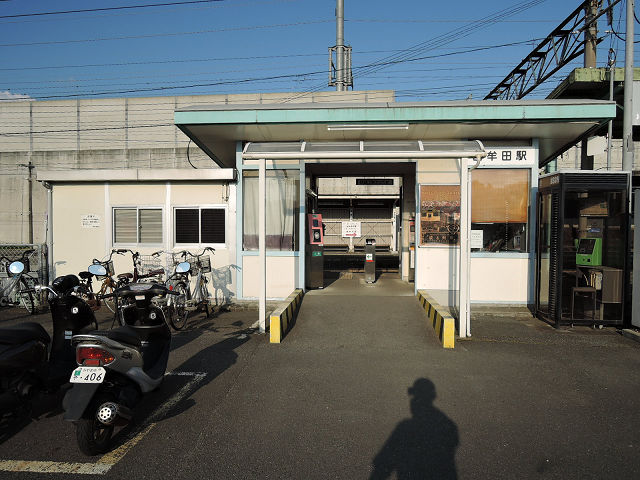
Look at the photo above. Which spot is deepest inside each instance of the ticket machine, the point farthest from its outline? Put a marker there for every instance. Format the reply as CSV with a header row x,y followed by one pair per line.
x,y
314,252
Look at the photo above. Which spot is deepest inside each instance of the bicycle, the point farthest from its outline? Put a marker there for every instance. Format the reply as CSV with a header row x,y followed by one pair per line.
x,y
190,265
109,283
21,285
145,267
176,305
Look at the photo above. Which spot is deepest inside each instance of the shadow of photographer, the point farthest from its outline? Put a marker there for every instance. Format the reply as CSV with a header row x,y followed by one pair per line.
x,y
423,446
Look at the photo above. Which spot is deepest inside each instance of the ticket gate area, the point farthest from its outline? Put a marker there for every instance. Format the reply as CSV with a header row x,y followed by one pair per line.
x,y
370,260
314,252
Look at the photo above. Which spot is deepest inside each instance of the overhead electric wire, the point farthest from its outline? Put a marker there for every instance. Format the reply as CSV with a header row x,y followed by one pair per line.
x,y
443,38
165,34
289,76
105,9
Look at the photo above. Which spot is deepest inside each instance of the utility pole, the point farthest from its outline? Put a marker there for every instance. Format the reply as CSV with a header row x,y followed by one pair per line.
x,y
590,34
340,46
30,167
627,125
340,70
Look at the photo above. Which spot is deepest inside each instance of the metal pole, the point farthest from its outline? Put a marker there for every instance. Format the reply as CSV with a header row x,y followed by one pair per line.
x,y
612,73
635,312
464,248
30,167
262,183
627,127
340,45
50,263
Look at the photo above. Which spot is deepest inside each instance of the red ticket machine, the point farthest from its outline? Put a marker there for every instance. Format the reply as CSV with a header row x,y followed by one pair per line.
x,y
314,252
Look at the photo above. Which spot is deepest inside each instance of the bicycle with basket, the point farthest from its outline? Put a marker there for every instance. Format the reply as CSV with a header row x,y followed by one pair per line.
x,y
19,289
187,266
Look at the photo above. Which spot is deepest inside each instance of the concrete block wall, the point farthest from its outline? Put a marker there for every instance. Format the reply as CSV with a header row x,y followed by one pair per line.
x,y
106,133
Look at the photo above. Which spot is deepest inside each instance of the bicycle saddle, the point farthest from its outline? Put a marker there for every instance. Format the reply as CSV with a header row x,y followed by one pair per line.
x,y
125,275
85,275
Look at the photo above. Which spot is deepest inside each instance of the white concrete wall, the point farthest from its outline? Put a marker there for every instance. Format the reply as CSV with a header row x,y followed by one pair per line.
x,y
74,246
500,280
282,275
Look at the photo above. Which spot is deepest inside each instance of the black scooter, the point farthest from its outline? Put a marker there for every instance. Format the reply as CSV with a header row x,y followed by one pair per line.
x,y
30,360
116,367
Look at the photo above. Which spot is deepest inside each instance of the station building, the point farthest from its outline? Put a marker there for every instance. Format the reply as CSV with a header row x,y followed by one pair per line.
x,y
445,189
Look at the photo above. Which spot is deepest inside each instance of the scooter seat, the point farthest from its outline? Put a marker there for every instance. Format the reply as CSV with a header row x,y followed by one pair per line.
x,y
125,334
23,333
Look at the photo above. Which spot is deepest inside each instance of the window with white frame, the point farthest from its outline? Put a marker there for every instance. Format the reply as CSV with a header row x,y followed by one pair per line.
x,y
137,225
195,225
500,209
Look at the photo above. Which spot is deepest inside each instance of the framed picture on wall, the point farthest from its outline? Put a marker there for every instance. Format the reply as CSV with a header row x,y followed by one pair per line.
x,y
439,215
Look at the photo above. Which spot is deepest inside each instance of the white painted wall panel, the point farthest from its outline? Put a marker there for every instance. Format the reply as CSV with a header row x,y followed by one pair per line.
x,y
500,280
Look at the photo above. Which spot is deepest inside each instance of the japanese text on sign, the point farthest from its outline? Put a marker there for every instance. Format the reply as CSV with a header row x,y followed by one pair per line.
x,y
351,229
90,220
510,156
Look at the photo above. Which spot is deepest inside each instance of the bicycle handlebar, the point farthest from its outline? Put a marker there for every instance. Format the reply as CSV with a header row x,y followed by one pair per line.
x,y
184,253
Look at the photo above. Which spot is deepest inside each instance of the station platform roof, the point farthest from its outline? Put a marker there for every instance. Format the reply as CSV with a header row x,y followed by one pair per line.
x,y
556,124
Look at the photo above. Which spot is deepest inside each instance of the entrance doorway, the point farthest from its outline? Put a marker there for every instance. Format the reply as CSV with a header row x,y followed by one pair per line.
x,y
360,204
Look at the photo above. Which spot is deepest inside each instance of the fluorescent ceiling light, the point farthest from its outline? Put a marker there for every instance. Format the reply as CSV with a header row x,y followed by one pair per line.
x,y
368,126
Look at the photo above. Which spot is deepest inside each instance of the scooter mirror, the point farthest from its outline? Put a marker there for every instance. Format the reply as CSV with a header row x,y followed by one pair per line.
x,y
97,269
16,267
183,267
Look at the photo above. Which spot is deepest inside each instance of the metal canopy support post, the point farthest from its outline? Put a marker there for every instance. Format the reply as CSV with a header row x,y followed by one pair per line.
x,y
465,257
262,222
465,243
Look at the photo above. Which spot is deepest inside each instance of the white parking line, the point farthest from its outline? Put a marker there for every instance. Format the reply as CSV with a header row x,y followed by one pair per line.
x,y
104,463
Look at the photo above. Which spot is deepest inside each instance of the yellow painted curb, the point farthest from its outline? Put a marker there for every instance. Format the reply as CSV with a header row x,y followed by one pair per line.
x,y
281,318
441,320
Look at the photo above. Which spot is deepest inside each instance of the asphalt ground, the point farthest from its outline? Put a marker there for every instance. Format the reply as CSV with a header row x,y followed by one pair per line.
x,y
360,388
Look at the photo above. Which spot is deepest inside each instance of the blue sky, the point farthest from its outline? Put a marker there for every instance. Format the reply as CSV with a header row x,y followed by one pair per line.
x,y
248,46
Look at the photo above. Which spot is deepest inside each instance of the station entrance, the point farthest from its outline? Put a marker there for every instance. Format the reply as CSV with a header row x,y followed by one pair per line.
x,y
363,209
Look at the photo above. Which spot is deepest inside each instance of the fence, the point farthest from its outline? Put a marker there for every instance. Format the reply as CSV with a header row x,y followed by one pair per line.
x,y
37,264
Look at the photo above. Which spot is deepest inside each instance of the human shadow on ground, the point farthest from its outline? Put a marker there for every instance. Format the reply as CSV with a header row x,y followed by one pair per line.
x,y
423,446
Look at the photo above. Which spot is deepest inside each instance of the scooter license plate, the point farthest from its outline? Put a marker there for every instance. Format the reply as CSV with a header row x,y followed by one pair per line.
x,y
88,375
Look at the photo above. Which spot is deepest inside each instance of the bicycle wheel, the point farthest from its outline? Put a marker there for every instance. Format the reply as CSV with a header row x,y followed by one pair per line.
x,y
204,296
109,302
27,296
179,306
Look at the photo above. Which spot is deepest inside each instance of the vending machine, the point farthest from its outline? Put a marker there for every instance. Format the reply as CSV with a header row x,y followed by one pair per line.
x,y
314,252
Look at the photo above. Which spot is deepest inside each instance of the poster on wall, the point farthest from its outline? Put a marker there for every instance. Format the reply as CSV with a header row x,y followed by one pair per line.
x,y
90,220
439,215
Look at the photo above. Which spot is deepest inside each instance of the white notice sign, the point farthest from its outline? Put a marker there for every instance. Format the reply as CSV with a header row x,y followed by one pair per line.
x,y
477,238
91,220
351,229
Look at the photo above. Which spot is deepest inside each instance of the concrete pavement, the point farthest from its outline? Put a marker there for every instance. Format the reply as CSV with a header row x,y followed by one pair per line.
x,y
360,388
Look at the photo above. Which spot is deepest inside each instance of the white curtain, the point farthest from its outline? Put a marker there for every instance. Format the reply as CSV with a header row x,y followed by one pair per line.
x,y
282,207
